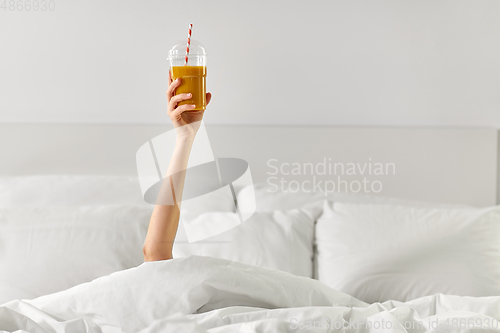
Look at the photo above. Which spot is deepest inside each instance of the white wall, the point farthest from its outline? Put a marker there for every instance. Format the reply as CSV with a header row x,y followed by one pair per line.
x,y
352,62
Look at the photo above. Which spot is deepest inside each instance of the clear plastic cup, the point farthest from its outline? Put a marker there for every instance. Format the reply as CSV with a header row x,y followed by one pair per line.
x,y
193,75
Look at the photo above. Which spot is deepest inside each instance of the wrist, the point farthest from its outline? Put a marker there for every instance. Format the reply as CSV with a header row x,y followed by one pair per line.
x,y
185,138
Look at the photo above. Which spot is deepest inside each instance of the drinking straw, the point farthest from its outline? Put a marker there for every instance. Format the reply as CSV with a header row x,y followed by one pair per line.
x,y
189,41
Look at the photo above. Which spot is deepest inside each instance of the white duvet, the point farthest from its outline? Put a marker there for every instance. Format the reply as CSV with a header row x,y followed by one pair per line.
x,y
202,294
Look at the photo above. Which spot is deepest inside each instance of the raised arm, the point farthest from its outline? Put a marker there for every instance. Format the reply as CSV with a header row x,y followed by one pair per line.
x,y
165,217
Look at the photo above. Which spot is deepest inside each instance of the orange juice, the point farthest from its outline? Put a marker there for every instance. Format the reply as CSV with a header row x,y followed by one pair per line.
x,y
193,80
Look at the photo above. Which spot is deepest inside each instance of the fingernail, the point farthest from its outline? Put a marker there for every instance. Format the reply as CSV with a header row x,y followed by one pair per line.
x,y
193,105
188,94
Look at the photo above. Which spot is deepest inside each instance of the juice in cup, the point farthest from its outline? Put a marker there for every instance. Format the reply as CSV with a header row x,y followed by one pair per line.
x,y
194,81
193,74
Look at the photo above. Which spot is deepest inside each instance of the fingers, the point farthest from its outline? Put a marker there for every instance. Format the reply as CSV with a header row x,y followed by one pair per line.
x,y
209,97
178,98
183,108
169,77
172,87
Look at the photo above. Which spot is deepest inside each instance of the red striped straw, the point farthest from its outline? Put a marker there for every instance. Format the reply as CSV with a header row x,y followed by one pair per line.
x,y
189,42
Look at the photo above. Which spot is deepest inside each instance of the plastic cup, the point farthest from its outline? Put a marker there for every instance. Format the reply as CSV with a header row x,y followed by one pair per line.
x,y
193,75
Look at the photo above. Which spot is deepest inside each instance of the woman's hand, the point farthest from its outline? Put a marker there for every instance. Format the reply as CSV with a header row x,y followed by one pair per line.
x,y
185,119
165,217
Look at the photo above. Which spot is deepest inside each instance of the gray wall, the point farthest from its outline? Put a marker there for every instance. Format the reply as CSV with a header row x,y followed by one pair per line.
x,y
352,62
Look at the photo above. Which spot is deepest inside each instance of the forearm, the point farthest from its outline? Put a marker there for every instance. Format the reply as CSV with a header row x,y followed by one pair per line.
x,y
165,217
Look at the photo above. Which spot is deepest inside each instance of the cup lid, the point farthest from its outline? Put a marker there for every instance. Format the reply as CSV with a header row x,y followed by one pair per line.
x,y
179,49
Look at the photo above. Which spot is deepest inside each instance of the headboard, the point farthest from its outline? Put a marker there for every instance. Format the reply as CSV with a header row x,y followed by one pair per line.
x,y
455,165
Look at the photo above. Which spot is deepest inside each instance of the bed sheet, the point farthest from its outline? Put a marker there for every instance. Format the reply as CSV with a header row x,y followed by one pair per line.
x,y
203,294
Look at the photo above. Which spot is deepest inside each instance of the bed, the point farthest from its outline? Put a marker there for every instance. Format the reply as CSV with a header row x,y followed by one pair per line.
x,y
420,255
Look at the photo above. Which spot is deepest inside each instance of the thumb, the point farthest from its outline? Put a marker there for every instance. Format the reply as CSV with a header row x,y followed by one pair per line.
x,y
209,97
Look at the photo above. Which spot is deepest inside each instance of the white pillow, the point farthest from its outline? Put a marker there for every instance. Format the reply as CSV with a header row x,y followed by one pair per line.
x,y
44,250
387,252
267,200
281,240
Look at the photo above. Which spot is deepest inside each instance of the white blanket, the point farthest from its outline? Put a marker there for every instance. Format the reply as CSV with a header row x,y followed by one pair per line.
x,y
202,294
